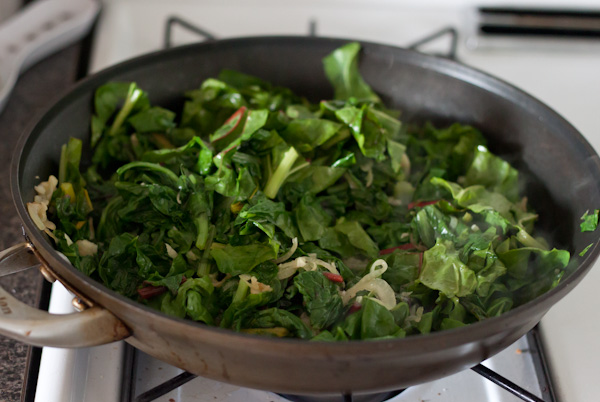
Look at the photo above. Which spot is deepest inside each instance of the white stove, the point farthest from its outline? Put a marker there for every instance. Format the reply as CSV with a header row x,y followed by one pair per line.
x,y
562,73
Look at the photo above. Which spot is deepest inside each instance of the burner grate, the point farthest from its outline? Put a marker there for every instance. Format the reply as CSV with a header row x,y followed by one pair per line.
x,y
174,21
506,384
165,387
183,378
376,397
449,31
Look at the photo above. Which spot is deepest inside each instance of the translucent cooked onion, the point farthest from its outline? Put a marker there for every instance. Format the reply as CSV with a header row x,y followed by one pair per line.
x,y
255,286
37,209
171,251
375,285
49,233
45,189
289,268
290,252
308,263
68,239
415,314
86,248
37,212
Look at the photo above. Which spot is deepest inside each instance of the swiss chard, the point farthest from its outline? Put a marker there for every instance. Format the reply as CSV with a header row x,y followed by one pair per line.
x,y
256,210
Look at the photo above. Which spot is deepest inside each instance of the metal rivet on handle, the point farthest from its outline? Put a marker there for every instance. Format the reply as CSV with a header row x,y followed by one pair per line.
x,y
79,304
49,276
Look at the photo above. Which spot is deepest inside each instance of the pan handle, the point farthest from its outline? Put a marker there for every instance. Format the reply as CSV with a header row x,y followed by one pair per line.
x,y
93,326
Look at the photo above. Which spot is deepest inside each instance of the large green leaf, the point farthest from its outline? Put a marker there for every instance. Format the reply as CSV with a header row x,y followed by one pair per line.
x,y
341,68
442,270
235,260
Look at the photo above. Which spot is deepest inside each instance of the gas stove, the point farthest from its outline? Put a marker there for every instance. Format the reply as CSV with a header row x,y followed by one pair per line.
x,y
556,361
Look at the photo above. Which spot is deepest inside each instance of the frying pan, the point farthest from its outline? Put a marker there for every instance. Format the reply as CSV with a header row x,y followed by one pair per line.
x,y
561,167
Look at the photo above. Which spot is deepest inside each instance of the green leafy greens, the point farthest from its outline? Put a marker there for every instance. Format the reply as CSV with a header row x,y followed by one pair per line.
x,y
589,222
256,210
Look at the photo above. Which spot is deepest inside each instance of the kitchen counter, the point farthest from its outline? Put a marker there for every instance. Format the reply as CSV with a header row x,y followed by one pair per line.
x,y
35,91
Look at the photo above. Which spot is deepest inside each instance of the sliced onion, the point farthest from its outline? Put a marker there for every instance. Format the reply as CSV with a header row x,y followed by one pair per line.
x,y
327,265
255,286
415,314
374,284
289,268
289,253
37,212
308,263
86,247
49,233
45,189
382,290
171,251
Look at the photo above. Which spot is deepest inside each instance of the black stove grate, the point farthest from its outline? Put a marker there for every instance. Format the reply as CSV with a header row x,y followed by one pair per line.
x,y
183,378
165,387
506,384
175,21
375,397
